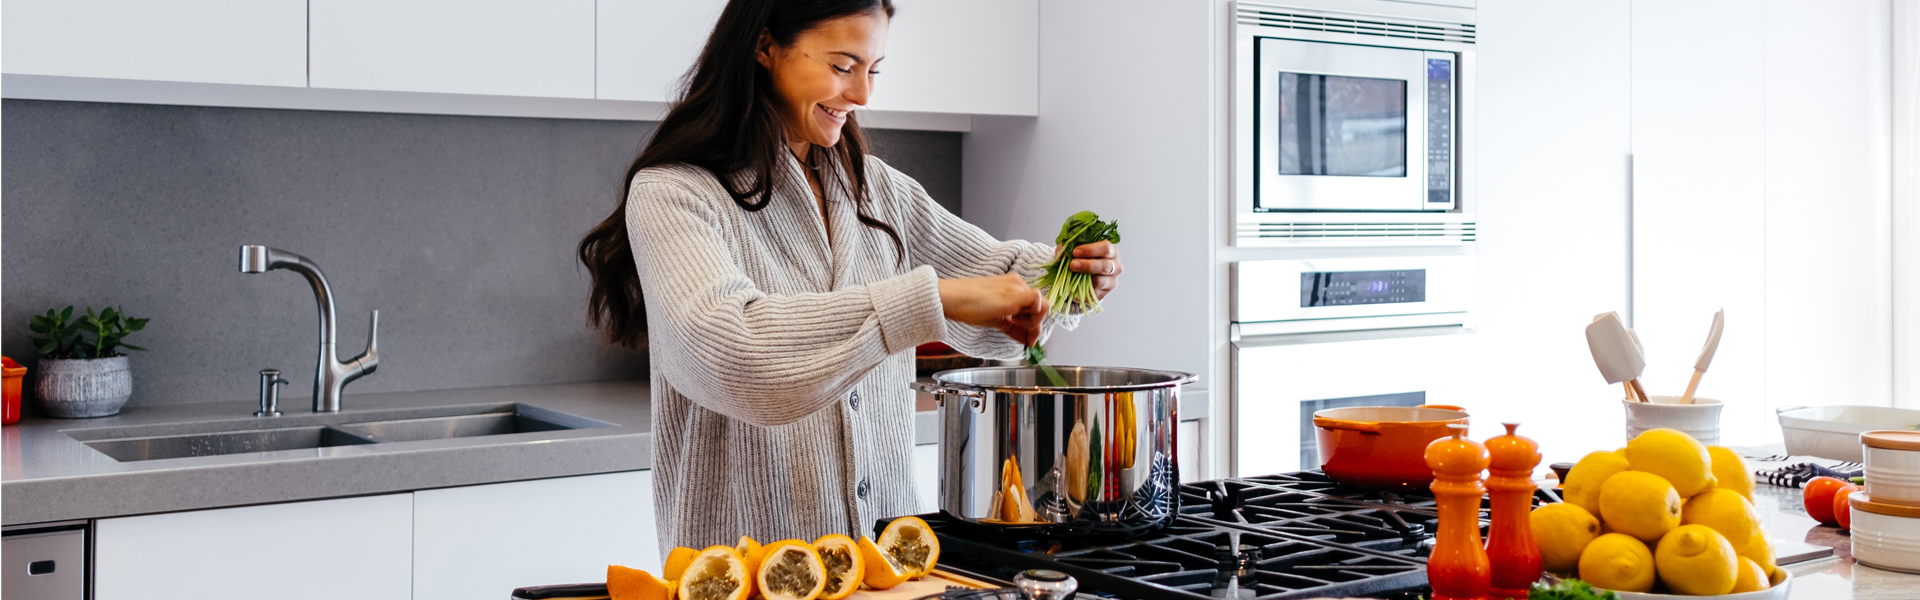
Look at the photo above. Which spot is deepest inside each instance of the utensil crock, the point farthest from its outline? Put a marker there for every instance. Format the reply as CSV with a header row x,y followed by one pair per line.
x,y
1093,458
1382,447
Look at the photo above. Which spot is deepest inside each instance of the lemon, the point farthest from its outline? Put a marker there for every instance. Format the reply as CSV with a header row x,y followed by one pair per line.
x,y
1562,530
1730,473
1582,486
1760,549
1675,457
1616,561
1695,560
1750,578
1725,511
1622,451
1639,504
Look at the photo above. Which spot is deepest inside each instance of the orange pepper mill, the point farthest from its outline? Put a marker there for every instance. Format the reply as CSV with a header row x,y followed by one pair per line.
x,y
1510,544
1458,569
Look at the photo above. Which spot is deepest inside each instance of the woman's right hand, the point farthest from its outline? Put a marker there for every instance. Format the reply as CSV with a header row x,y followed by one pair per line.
x,y
1003,302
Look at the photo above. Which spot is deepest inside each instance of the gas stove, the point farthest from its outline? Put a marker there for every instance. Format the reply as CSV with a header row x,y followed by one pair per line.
x,y
1305,535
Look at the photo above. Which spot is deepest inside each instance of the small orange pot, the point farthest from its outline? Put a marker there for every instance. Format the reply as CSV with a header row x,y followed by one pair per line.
x,y
10,390
1382,447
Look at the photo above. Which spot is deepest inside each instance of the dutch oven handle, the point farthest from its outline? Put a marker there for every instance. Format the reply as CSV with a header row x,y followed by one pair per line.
x,y
940,392
1442,407
1347,425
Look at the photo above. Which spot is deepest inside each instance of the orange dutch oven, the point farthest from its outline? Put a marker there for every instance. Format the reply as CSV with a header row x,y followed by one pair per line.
x,y
1382,447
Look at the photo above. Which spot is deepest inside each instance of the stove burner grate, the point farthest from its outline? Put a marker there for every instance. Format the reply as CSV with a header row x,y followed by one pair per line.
x,y
1181,562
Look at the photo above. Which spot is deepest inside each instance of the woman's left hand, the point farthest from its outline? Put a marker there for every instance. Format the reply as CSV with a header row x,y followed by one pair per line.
x,y
1101,260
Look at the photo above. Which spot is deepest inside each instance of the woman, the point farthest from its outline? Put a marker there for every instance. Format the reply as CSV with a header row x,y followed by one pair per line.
x,y
788,277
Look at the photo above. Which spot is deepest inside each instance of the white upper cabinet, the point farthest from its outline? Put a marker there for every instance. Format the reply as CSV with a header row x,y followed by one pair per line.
x,y
943,56
248,42
541,48
646,45
322,550
962,56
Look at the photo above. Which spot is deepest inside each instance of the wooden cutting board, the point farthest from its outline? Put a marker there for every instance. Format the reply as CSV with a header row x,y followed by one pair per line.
x,y
934,583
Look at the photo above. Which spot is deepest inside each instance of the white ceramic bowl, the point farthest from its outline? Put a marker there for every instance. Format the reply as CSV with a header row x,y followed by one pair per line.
x,y
1833,432
1700,419
1893,474
1884,541
1777,592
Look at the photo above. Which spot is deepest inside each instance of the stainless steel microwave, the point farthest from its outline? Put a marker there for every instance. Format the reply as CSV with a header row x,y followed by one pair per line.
x,y
1338,114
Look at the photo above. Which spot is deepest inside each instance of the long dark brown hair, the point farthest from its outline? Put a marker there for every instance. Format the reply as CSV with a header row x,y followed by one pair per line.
x,y
726,121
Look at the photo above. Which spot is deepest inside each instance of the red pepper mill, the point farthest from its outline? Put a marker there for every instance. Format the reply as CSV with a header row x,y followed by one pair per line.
x,y
1510,545
1458,568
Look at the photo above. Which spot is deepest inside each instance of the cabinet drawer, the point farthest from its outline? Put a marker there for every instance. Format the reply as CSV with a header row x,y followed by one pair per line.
x,y
48,566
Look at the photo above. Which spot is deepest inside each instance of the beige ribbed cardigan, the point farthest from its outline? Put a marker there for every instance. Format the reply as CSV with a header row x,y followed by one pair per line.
x,y
781,362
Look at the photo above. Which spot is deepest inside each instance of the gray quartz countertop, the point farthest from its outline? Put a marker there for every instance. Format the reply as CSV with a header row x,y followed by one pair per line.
x,y
49,475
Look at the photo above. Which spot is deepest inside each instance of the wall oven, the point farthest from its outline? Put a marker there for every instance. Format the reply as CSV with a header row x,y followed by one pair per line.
x,y
1314,334
1365,115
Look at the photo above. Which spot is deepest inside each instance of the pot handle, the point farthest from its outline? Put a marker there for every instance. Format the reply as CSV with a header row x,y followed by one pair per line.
x,y
976,398
1442,407
1347,425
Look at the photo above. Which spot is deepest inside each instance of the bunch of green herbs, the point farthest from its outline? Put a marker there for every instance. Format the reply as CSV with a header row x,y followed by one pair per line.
x,y
1067,291
1569,589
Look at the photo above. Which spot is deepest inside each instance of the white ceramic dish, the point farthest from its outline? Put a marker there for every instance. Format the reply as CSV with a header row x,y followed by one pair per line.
x,y
1833,432
1885,541
1700,419
1777,592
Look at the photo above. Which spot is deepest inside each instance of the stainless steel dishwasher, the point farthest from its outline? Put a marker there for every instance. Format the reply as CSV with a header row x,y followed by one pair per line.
x,y
44,561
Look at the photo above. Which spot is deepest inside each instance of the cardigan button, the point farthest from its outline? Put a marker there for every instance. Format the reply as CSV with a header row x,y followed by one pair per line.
x,y
853,399
861,490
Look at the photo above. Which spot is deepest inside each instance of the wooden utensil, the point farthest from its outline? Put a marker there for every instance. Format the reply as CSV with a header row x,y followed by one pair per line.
x,y
1617,352
1706,355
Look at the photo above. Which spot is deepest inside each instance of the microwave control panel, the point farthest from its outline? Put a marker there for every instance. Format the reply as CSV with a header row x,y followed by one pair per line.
x,y
1439,130
1347,288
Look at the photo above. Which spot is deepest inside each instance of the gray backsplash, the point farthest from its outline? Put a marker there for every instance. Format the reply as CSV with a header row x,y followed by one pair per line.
x,y
459,229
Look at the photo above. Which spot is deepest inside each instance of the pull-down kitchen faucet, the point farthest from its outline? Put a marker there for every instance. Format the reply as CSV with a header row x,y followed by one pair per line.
x,y
331,376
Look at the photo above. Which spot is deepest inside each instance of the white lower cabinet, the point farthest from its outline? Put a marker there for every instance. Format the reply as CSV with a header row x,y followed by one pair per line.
x,y
483,541
467,542
358,548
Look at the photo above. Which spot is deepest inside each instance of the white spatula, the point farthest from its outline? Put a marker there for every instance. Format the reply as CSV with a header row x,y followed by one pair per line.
x,y
1706,355
1617,353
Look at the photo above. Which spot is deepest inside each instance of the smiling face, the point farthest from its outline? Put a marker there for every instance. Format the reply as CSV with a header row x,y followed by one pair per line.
x,y
823,75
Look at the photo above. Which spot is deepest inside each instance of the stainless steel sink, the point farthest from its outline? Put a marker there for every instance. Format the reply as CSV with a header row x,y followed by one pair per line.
x,y
440,428
227,442
323,430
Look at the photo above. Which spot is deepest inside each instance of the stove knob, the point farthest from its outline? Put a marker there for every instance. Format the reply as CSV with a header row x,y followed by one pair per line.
x,y
1046,584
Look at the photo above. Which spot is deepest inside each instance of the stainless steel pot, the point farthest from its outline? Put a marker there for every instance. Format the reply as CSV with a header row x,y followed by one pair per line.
x,y
1094,457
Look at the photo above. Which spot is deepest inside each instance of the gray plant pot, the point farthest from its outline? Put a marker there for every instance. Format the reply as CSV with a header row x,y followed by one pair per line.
x,y
81,388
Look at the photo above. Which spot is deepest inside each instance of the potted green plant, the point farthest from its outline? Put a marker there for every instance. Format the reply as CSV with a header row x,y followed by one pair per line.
x,y
78,377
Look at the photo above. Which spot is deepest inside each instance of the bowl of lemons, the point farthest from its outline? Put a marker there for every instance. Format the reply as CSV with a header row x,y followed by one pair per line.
x,y
1663,517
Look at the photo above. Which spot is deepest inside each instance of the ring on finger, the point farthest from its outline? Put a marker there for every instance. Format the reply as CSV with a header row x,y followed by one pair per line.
x,y
1109,268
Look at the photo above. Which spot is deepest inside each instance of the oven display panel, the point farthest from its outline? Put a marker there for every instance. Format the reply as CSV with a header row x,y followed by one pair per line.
x,y
1347,288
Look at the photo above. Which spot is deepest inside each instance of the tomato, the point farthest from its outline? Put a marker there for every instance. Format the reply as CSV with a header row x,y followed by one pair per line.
x,y
1843,512
1818,497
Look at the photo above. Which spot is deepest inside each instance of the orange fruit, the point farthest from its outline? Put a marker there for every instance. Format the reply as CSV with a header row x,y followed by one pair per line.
x,y
841,556
750,552
716,573
634,584
912,545
790,570
880,570
677,561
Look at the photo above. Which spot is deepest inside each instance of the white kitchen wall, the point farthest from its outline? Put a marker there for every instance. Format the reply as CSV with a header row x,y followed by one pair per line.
x,y
1124,132
1553,153
1761,185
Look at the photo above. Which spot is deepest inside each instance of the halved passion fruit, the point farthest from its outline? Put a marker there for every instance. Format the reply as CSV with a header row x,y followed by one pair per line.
x,y
790,570
750,552
879,570
841,556
911,545
717,573
677,561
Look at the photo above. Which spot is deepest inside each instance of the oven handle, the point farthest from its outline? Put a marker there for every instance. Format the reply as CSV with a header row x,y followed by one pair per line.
x,y
1255,335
